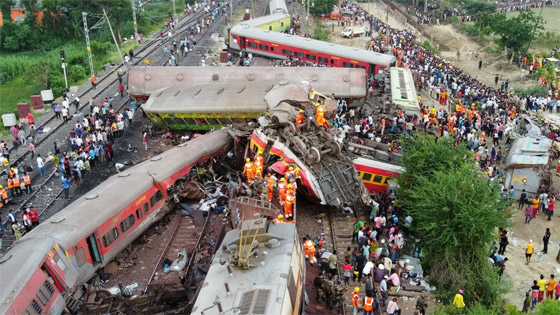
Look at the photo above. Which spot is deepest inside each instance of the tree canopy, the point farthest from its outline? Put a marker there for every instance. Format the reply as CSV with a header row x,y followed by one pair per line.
x,y
456,213
515,33
478,8
322,6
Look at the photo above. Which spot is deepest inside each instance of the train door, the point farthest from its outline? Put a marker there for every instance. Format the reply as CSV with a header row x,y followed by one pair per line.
x,y
93,250
336,63
242,42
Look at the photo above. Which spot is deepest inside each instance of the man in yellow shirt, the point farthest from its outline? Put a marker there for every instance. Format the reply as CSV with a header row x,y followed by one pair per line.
x,y
529,251
542,284
458,300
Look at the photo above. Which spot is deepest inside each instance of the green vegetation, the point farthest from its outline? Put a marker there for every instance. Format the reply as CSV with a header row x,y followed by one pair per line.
x,y
537,90
476,9
320,31
322,6
30,52
426,44
456,213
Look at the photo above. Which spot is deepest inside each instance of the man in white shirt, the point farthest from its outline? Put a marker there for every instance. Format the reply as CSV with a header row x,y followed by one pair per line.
x,y
367,268
41,165
393,308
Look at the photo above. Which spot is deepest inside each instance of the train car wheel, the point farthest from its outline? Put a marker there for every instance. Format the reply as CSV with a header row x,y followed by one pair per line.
x,y
336,148
290,129
314,155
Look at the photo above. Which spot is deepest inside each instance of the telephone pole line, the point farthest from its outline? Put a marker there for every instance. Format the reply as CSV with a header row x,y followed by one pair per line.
x,y
134,19
86,32
113,34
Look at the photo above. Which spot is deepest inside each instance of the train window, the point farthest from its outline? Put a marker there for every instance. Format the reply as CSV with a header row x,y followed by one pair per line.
x,y
298,54
270,28
281,24
310,57
110,237
360,67
213,121
323,60
201,121
45,293
169,121
155,198
127,223
80,256
146,208
286,52
272,49
366,177
252,45
347,65
190,121
33,308
224,121
263,47
378,179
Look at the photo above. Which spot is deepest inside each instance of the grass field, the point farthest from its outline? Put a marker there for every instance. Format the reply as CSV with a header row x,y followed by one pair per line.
x,y
551,15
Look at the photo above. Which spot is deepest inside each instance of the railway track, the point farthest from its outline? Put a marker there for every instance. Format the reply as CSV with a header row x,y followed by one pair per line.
x,y
47,192
338,228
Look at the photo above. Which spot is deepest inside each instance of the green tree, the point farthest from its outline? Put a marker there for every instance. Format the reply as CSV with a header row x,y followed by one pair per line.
x,y
118,11
6,8
516,33
478,8
456,212
322,6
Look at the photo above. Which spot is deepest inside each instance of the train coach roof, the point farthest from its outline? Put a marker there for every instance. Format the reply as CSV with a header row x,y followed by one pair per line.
x,y
83,216
258,21
277,6
18,265
343,82
267,279
224,98
313,45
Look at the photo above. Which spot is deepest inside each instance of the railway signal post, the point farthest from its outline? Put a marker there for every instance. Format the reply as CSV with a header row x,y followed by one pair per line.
x,y
63,59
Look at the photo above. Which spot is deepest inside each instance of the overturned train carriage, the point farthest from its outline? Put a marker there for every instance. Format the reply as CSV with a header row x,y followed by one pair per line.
x,y
342,82
41,271
213,106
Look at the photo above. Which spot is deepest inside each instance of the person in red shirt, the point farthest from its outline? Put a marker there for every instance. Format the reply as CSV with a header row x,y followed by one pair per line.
x,y
34,216
121,89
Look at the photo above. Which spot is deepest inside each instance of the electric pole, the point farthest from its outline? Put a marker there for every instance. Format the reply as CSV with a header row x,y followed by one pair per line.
x,y
113,34
63,60
86,32
134,19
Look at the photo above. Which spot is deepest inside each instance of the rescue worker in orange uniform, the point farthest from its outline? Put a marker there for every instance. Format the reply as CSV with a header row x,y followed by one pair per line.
x,y
282,190
3,195
279,219
12,172
291,188
289,173
300,118
11,186
258,173
309,250
249,170
356,301
320,117
368,305
27,182
16,183
289,203
259,160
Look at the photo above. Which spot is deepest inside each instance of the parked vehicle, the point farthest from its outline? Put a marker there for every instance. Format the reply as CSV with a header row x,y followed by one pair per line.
x,y
350,32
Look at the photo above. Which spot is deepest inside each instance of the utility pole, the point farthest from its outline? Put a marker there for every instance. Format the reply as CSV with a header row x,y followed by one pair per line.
x,y
63,59
86,32
113,34
134,19
307,12
174,11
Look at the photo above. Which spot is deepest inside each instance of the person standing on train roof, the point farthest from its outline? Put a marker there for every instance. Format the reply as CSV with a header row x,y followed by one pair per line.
x,y
249,170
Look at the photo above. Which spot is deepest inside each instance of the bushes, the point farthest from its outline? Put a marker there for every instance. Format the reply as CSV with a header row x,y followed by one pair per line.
x,y
428,46
469,29
535,90
320,31
77,73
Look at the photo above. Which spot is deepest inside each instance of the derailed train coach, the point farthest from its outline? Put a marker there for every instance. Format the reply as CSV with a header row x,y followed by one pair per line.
x,y
42,270
345,83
